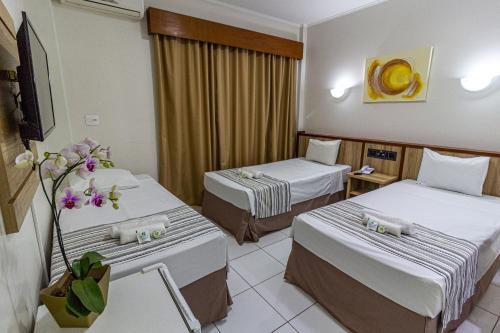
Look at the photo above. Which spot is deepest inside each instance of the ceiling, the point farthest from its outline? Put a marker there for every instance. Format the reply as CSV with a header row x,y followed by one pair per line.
x,y
300,11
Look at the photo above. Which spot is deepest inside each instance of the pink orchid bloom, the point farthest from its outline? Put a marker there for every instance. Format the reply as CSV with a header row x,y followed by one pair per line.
x,y
98,199
70,199
91,163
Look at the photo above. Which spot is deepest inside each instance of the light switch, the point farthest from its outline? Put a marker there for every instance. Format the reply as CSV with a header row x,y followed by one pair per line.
x,y
92,120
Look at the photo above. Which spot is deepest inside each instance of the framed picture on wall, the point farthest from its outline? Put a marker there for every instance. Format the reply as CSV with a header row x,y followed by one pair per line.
x,y
402,77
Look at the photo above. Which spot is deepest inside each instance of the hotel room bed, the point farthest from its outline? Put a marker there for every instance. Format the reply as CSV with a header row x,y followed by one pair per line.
x,y
196,255
371,290
232,205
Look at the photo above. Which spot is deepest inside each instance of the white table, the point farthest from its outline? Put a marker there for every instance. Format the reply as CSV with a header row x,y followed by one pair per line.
x,y
144,302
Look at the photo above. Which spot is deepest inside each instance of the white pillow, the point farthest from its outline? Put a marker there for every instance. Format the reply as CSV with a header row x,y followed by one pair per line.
x,y
105,179
325,152
465,175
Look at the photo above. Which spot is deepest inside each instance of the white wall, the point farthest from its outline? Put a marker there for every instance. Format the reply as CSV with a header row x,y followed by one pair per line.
x,y
464,34
23,255
108,71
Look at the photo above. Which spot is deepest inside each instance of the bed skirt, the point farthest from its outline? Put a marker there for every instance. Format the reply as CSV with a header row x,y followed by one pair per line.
x,y
245,227
359,308
208,297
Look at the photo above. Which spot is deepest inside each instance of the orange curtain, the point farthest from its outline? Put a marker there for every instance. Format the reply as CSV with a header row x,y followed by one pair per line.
x,y
220,107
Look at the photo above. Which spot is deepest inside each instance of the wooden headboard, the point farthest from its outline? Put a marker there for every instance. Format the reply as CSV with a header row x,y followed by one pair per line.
x,y
18,186
408,156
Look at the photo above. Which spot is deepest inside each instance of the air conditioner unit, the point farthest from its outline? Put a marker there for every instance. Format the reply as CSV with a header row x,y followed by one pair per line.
x,y
129,8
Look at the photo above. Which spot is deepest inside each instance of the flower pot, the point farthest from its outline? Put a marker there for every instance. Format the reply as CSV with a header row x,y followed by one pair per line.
x,y
57,304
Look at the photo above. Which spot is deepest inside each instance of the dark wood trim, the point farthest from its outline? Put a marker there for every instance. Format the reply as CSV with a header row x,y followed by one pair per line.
x,y
172,24
405,145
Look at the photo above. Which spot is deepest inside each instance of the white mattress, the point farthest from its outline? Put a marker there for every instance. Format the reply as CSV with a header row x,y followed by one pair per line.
x,y
308,180
187,262
476,219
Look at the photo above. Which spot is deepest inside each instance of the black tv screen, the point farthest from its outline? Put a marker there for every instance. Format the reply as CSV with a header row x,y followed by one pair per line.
x,y
34,83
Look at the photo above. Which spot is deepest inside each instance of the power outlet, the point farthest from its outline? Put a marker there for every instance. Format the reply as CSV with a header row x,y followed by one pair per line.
x,y
91,120
382,154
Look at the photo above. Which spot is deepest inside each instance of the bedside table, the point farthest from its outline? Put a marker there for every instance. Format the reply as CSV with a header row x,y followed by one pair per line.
x,y
146,302
360,184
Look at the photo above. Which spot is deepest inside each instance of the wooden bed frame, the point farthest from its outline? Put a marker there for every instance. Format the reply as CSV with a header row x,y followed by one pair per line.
x,y
356,306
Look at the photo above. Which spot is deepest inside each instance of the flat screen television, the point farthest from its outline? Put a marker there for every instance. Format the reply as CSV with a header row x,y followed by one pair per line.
x,y
34,83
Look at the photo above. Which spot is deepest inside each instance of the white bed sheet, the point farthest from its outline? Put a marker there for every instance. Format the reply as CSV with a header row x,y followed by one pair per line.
x,y
187,262
308,180
476,219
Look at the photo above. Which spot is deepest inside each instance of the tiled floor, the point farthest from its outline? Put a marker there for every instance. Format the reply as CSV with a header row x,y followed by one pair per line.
x,y
264,302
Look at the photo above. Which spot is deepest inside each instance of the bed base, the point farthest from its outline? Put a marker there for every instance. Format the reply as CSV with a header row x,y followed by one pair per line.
x,y
245,227
359,308
208,297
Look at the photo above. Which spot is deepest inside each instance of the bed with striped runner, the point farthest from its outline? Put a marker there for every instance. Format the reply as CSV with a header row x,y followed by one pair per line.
x,y
272,196
185,224
453,259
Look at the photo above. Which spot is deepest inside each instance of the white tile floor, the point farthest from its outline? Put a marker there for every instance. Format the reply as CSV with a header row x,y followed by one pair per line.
x,y
264,302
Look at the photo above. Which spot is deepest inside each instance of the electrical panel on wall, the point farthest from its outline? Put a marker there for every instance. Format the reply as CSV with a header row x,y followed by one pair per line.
x,y
382,154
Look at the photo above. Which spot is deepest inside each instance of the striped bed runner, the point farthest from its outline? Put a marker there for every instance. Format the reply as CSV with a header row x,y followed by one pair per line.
x,y
452,258
185,224
272,196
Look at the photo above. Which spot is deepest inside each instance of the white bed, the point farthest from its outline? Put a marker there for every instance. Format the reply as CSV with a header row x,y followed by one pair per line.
x,y
476,219
187,262
308,180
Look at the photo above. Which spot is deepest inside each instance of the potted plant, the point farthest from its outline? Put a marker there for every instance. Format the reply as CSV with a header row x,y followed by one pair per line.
x,y
80,295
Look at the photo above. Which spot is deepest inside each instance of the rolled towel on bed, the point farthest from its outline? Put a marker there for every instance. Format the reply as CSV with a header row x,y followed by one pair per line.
x,y
406,227
246,174
389,227
129,235
117,228
257,174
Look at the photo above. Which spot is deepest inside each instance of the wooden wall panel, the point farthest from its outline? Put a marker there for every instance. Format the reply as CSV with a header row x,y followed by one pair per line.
x,y
18,186
172,24
384,166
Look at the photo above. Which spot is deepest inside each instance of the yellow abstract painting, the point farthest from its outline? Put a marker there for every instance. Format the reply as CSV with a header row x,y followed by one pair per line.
x,y
401,77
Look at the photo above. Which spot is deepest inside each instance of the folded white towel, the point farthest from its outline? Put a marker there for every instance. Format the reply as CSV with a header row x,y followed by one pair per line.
x,y
130,235
116,229
390,228
407,227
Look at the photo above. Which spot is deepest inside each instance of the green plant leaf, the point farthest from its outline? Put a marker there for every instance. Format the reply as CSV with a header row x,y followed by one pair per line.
x,y
93,257
76,268
89,293
96,265
84,263
74,306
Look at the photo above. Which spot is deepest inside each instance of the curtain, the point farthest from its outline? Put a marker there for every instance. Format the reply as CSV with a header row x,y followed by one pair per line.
x,y
220,107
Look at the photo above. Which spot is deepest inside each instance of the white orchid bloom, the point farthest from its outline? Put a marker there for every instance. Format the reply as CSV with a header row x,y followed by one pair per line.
x,y
25,160
71,157
60,162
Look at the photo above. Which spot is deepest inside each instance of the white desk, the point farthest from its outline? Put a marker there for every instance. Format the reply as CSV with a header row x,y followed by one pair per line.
x,y
143,302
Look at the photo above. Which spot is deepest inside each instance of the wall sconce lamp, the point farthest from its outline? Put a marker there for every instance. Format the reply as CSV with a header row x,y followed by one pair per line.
x,y
476,83
339,92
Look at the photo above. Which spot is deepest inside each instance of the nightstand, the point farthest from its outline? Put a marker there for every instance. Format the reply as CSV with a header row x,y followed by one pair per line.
x,y
360,184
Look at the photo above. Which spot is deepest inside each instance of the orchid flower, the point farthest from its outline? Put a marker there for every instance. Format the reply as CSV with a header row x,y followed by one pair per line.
x,y
97,198
91,163
82,149
71,157
51,170
70,199
25,160
60,162
114,196
91,143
